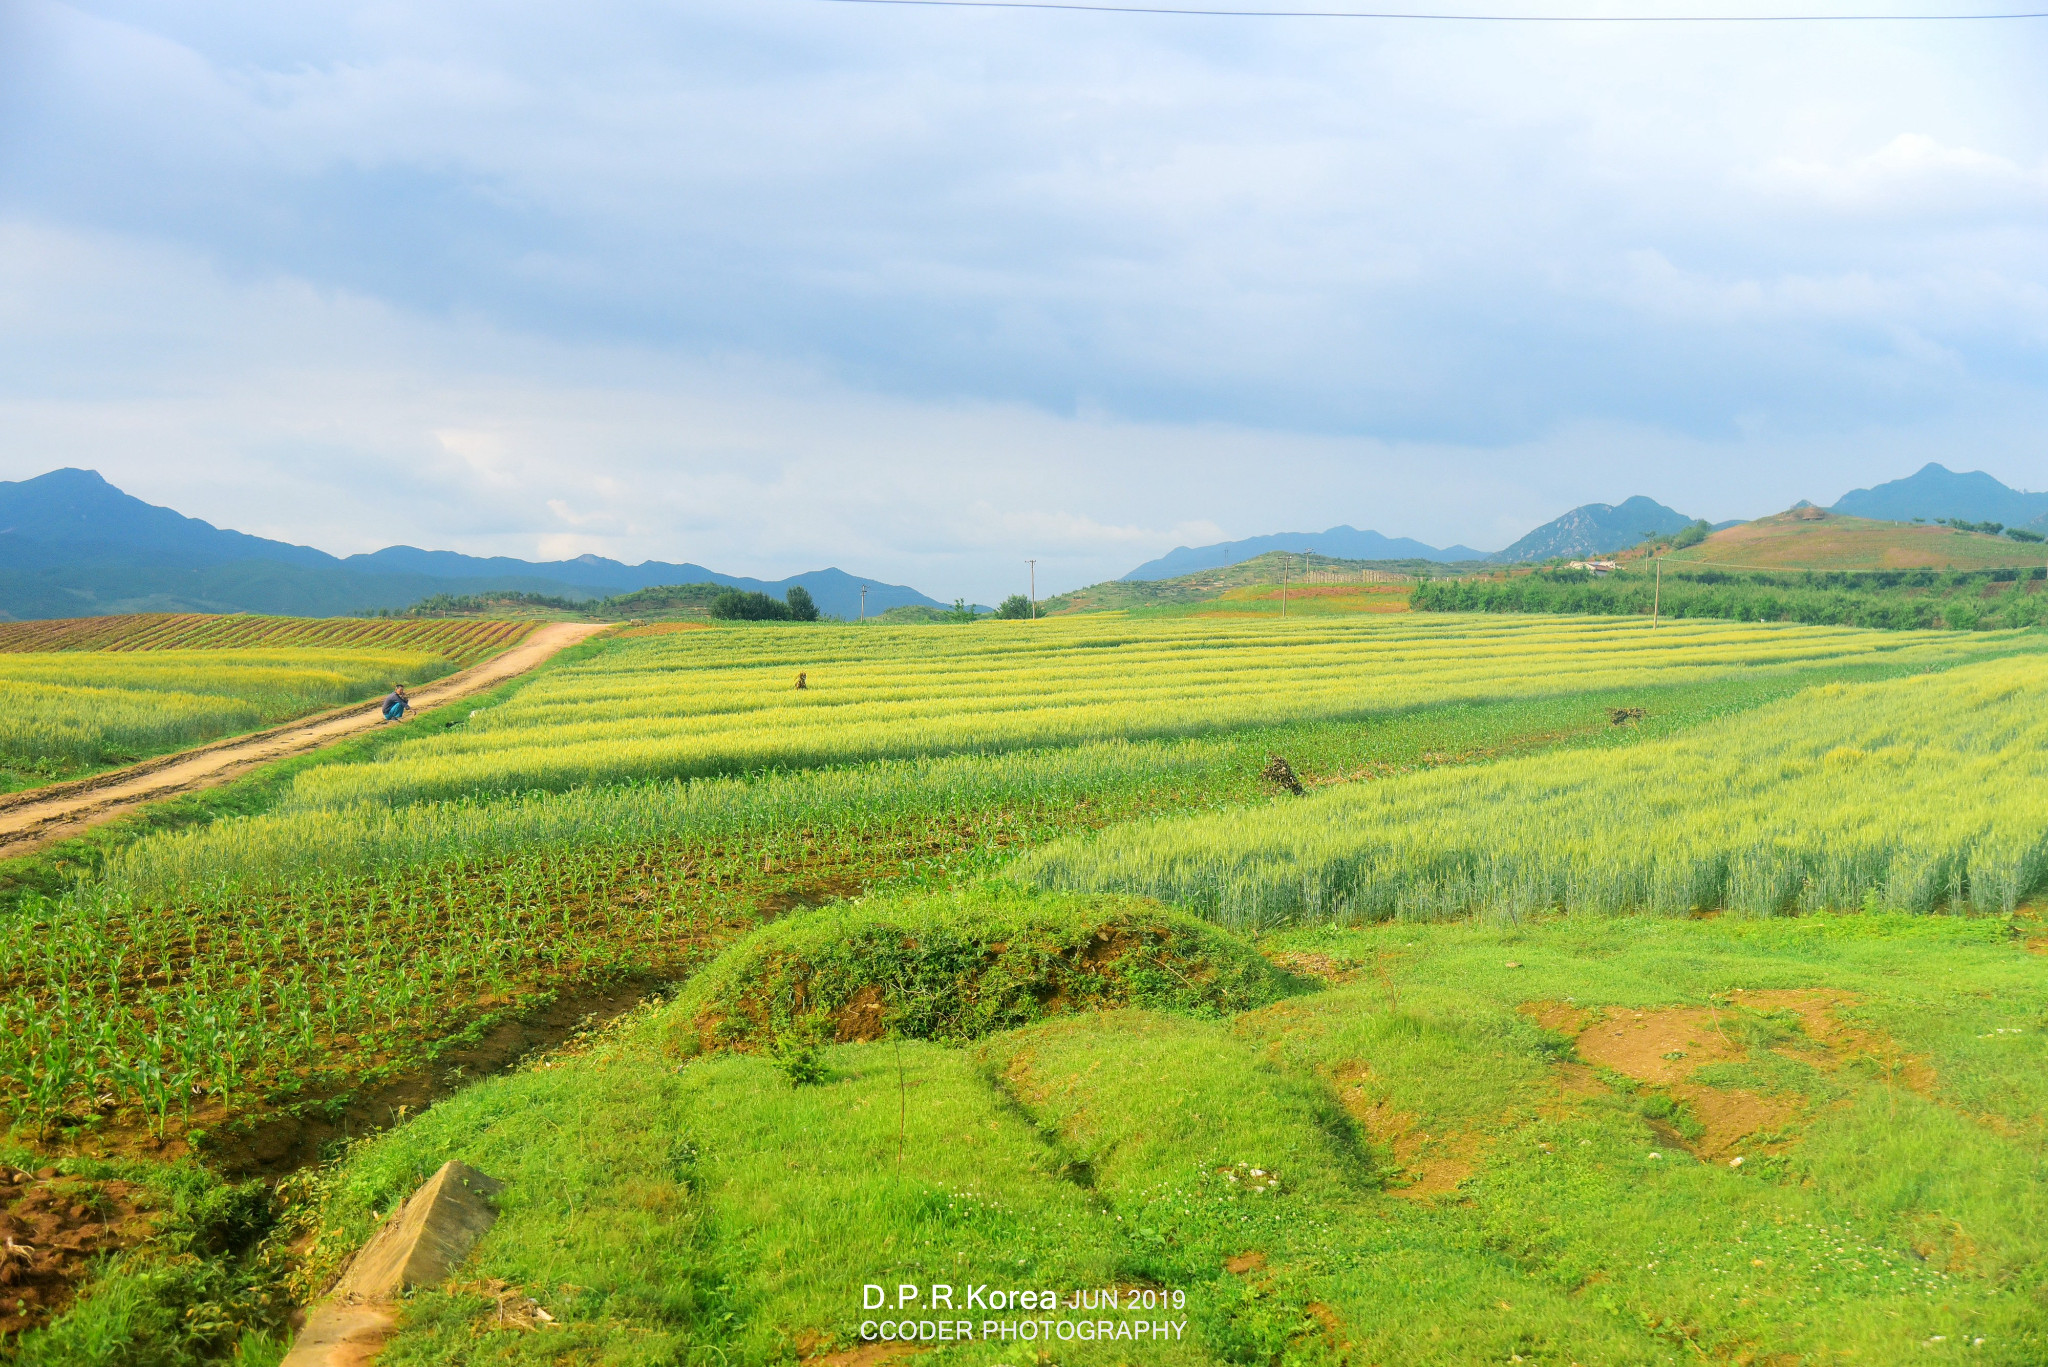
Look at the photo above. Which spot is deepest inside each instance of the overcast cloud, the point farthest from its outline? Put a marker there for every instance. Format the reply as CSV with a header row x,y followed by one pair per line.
x,y
778,284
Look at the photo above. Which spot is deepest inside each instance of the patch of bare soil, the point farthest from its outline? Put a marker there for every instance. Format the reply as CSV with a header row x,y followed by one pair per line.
x,y
52,1230
1320,966
1836,1042
1426,1165
1666,1046
867,1355
1659,1045
863,1019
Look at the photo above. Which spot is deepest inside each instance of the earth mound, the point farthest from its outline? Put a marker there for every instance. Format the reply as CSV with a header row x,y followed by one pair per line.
x,y
958,967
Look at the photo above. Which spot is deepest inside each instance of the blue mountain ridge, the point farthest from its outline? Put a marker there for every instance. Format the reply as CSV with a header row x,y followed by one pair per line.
x,y
72,544
1344,543
1935,491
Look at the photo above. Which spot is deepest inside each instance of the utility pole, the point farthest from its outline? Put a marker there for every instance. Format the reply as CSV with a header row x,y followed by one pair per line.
x,y
1034,588
863,602
1283,586
1657,595
1308,575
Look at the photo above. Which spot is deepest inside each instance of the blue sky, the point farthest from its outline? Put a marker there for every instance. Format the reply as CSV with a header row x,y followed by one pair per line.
x,y
777,284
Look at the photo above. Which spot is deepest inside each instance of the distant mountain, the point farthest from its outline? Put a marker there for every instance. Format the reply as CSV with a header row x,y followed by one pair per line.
x,y
73,545
1937,491
1595,529
1343,543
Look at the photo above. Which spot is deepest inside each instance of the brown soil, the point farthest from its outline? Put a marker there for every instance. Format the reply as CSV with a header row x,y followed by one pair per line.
x,y
1427,1165
1661,1045
52,1229
862,1019
1666,1046
867,1355
42,815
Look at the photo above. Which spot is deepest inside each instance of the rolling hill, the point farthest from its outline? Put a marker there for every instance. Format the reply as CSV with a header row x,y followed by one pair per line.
x,y
1812,538
73,545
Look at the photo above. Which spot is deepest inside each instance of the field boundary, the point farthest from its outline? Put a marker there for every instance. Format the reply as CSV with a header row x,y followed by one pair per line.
x,y
37,816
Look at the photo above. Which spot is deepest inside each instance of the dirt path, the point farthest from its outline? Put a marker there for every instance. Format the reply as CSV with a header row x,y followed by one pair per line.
x,y
41,815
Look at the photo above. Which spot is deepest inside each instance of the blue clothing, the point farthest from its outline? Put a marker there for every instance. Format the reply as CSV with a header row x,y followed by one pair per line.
x,y
395,706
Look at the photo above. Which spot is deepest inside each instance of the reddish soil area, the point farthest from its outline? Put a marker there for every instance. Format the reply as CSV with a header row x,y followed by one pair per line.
x,y
51,1230
1666,1046
1427,1164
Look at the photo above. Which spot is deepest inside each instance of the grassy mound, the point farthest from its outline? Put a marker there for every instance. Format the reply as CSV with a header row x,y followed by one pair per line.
x,y
960,966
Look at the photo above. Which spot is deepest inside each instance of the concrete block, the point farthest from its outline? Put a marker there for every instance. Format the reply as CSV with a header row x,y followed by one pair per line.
x,y
422,1243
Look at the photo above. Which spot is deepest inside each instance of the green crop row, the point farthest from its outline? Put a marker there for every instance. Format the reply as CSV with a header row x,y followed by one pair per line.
x,y
702,703
1910,794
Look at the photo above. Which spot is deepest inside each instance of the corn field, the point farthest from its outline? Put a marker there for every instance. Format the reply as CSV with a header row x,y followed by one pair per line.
x,y
1913,794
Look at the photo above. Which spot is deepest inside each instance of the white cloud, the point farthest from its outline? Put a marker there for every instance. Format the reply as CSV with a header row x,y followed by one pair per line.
x,y
927,293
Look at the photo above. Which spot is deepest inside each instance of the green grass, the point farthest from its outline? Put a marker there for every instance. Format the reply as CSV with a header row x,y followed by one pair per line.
x,y
206,1285
958,966
656,1208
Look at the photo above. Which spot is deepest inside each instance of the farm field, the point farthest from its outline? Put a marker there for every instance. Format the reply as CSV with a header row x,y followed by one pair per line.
x,y
90,693
463,642
238,1006
1906,794
895,692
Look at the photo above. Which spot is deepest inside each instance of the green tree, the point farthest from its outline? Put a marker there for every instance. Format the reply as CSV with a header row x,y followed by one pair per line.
x,y
1015,606
961,612
801,608
738,605
1692,535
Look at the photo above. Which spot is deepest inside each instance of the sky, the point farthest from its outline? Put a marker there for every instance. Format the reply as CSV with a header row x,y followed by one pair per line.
x,y
924,293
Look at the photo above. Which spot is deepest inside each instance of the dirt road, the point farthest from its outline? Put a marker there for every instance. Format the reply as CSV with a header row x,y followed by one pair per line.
x,y
41,815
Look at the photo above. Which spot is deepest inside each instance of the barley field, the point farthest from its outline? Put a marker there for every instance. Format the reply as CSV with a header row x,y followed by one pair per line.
x,y
721,702
1908,794
71,710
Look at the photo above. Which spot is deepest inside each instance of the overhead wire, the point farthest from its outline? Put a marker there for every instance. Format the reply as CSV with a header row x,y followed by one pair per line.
x,y
1071,7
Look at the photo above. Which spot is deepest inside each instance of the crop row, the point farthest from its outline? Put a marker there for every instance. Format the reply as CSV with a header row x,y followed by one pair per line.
x,y
110,1006
460,641
723,702
1910,794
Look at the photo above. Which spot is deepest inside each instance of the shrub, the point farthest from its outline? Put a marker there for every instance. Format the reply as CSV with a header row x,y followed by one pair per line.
x,y
2022,534
1014,607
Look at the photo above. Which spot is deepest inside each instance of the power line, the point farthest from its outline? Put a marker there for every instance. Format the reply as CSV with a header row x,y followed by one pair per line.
x,y
1453,18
